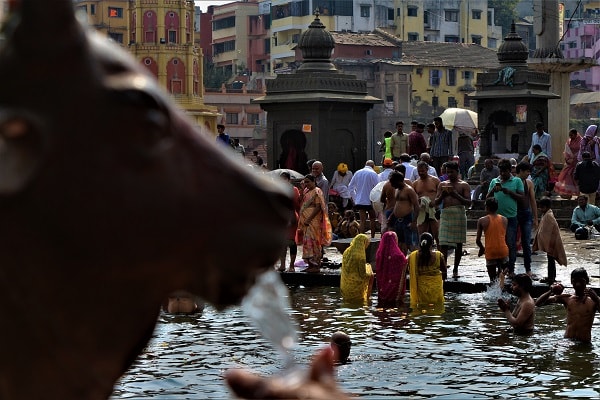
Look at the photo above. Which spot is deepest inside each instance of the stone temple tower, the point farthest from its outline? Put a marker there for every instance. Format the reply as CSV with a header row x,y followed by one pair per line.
x,y
318,112
161,37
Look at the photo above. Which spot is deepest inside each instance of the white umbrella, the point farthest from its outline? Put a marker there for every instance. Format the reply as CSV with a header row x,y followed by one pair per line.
x,y
459,118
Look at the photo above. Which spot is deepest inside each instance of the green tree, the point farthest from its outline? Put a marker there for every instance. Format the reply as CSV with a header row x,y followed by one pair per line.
x,y
505,12
214,77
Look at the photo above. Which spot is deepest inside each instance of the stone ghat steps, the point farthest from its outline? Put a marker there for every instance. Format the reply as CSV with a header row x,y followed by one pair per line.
x,y
333,279
562,209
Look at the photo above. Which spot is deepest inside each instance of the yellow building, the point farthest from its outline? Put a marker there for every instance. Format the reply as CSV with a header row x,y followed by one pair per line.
x,y
160,34
455,21
444,73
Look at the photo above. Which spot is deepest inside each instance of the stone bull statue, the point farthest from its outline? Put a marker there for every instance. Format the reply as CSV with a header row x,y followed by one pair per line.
x,y
109,201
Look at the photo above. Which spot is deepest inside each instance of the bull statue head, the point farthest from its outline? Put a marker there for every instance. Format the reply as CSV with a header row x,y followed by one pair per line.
x,y
109,201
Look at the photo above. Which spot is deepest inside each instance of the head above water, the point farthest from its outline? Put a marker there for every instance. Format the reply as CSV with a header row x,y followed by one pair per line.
x,y
341,343
524,282
580,273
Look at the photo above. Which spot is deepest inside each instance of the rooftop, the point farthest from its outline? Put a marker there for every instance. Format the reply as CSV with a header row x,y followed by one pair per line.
x,y
441,54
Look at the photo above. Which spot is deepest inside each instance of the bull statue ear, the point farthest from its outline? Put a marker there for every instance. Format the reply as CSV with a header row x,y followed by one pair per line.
x,y
20,152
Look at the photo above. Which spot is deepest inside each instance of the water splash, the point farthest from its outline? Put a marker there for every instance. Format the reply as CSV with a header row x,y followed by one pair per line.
x,y
266,305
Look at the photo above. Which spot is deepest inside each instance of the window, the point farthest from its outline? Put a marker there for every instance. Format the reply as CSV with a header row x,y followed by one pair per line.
x,y
451,39
467,74
390,14
117,37
231,118
451,78
476,39
295,37
489,18
476,14
452,102
398,12
434,77
389,98
572,45
412,11
115,12
451,15
172,36
252,118
224,23
223,47
365,11
426,17
93,9
413,36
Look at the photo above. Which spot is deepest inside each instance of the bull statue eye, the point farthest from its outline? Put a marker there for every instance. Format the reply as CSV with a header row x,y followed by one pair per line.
x,y
20,150
14,128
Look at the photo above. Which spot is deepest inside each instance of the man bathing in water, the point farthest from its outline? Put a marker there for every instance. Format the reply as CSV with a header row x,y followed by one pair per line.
x,y
406,207
521,318
581,306
426,187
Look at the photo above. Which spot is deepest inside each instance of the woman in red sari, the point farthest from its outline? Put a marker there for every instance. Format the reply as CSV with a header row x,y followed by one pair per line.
x,y
313,225
566,186
390,269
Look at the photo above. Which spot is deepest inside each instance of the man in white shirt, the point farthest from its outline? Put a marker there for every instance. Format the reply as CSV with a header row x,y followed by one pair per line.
x,y
430,169
363,181
543,139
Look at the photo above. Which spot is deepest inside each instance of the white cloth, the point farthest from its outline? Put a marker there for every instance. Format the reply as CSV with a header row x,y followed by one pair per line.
x,y
363,181
340,184
409,170
543,141
430,171
385,174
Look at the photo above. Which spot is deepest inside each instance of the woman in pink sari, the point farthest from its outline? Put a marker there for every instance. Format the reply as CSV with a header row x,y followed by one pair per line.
x,y
390,269
566,186
313,225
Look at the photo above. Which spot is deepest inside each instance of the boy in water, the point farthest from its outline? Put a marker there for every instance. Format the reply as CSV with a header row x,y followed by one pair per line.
x,y
521,318
581,306
340,343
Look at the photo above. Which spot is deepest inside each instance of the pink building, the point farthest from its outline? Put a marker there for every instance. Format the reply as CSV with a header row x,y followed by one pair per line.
x,y
582,40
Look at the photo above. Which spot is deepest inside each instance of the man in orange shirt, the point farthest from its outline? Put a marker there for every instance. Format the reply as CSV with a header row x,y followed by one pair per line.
x,y
495,250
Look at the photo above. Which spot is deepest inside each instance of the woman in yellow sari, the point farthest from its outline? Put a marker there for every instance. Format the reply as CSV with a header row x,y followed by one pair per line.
x,y
427,268
313,225
356,276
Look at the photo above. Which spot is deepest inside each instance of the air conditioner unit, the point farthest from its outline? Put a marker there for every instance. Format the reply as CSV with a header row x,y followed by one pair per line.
x,y
369,52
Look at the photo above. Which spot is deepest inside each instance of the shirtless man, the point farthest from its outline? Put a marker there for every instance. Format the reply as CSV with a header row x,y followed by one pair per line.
x,y
406,207
426,187
453,196
521,318
581,306
388,196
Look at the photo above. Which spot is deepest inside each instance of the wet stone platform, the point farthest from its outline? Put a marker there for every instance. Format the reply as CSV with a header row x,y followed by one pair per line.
x,y
472,271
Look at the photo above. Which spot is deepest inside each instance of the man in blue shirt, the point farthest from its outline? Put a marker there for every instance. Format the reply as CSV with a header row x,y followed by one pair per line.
x,y
441,145
543,139
222,137
585,215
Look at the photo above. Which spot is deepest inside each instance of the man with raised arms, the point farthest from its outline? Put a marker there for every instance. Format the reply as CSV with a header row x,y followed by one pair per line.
x,y
581,306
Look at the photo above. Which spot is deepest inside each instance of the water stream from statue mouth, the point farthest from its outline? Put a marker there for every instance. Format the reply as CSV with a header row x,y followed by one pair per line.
x,y
267,305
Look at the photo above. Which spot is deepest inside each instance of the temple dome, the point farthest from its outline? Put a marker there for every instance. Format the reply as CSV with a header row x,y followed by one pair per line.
x,y
316,44
513,51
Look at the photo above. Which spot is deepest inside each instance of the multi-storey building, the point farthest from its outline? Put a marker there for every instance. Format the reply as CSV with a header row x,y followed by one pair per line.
x,y
160,34
454,21
3,11
582,40
108,17
231,24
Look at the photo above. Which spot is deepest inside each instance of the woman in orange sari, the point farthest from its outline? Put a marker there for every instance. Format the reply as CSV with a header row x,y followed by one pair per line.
x,y
313,225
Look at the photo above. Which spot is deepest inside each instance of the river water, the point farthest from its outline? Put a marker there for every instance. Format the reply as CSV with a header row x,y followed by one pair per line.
x,y
468,352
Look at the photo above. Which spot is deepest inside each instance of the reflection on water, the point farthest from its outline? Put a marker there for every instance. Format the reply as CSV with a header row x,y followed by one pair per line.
x,y
467,352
